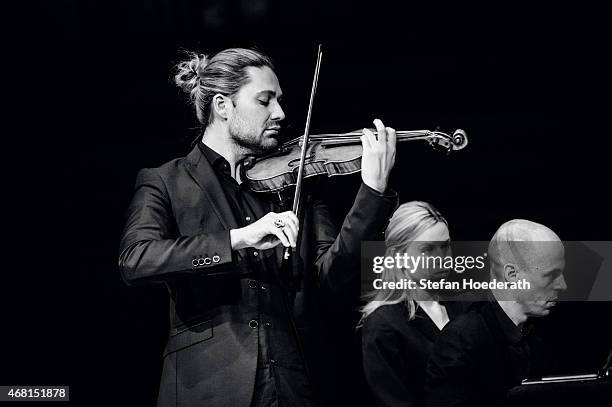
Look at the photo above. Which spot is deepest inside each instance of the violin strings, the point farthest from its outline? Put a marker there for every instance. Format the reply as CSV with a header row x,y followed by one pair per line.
x,y
354,136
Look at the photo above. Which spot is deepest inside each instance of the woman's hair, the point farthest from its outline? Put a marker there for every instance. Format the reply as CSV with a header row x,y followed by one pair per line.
x,y
202,77
407,223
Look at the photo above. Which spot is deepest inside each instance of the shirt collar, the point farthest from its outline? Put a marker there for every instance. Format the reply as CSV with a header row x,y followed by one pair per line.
x,y
511,332
215,159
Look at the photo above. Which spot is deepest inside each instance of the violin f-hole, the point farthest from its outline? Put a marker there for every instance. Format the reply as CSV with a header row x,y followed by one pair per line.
x,y
296,161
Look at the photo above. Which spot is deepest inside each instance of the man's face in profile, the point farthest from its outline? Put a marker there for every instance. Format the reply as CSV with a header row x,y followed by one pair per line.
x,y
544,271
256,118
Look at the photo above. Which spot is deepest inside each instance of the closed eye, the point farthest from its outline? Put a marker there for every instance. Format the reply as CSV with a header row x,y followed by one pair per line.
x,y
426,248
552,274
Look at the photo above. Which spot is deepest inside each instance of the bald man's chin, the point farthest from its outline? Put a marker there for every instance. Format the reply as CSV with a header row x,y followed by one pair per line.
x,y
544,309
545,312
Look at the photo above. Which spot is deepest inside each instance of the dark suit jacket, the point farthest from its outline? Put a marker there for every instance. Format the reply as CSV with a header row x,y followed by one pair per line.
x,y
395,352
177,232
479,357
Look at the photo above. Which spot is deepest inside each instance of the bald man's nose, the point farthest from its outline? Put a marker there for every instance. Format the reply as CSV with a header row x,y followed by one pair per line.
x,y
560,284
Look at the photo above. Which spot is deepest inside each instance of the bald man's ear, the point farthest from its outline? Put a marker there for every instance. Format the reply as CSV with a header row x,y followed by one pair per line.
x,y
221,106
510,272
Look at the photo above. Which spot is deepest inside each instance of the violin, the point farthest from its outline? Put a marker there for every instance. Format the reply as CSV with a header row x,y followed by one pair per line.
x,y
330,155
324,154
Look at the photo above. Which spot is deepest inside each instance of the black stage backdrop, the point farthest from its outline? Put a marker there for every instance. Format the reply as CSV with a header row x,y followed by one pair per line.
x,y
528,84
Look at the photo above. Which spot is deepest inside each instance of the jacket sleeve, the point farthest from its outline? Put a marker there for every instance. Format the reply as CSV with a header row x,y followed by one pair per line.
x,y
151,250
384,365
338,255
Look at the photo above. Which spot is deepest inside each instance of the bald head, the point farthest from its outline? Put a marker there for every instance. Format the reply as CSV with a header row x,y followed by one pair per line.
x,y
526,244
524,230
525,250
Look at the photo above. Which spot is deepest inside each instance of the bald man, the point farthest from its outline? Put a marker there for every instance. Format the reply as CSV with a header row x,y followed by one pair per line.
x,y
479,356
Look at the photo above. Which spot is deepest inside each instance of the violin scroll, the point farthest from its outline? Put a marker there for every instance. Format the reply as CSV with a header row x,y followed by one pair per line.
x,y
459,139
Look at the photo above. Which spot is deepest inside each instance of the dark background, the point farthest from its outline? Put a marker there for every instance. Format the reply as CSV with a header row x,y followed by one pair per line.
x,y
529,85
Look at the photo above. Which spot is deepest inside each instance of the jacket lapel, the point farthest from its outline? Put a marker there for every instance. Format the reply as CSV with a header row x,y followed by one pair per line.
x,y
426,325
202,173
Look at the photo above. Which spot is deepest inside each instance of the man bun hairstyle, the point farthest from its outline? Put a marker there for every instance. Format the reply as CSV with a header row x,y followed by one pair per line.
x,y
201,78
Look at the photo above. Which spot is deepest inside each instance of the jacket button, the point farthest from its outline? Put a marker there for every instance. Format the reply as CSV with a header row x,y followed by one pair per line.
x,y
255,254
252,283
216,259
253,324
207,261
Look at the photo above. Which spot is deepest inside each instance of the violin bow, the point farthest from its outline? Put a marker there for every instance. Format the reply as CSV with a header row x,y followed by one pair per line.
x,y
300,175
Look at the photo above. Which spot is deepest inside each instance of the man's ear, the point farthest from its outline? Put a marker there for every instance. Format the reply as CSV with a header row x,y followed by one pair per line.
x,y
221,106
510,272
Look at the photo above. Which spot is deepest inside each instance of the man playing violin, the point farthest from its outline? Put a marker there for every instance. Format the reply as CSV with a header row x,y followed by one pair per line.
x,y
244,328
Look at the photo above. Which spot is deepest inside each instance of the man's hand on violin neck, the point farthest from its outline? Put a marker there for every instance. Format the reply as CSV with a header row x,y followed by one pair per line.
x,y
378,156
269,231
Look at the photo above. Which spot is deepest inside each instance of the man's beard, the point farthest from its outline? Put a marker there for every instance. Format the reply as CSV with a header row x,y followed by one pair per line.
x,y
247,137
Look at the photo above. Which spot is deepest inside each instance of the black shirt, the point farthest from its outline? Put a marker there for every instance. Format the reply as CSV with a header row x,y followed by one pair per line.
x,y
281,374
517,339
478,357
395,351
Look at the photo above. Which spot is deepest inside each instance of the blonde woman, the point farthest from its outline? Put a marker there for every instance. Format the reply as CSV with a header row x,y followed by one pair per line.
x,y
399,327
